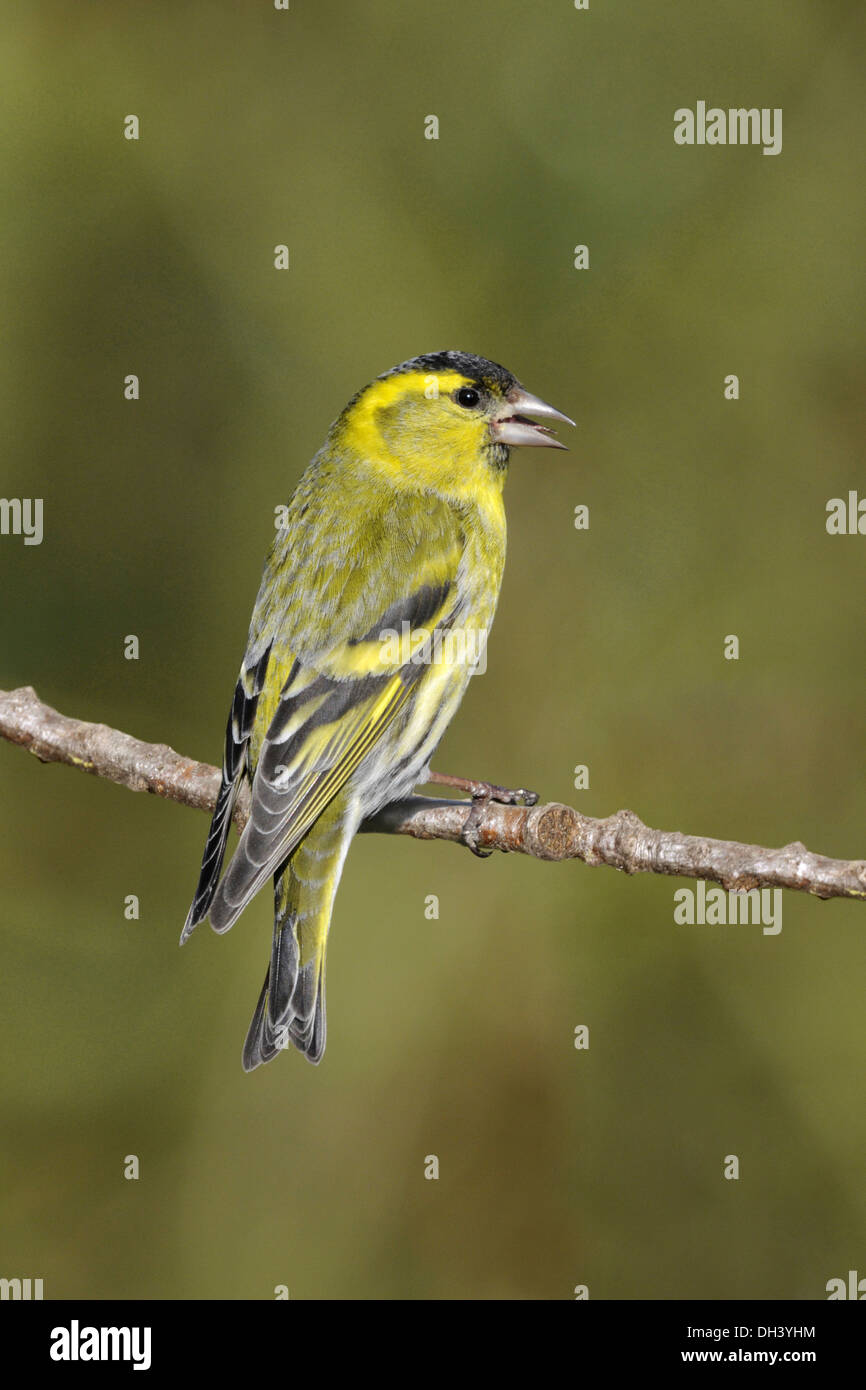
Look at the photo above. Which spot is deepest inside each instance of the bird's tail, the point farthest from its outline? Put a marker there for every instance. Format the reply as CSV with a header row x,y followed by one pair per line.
x,y
291,1006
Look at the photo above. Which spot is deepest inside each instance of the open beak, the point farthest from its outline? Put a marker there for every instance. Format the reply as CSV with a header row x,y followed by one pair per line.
x,y
514,427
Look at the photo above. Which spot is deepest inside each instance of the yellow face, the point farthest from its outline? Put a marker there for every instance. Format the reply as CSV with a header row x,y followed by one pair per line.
x,y
430,430
443,423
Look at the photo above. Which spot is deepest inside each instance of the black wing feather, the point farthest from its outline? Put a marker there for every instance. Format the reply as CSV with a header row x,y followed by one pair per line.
x,y
240,724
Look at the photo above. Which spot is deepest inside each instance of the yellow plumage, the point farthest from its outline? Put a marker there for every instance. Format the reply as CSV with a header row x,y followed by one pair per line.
x,y
392,550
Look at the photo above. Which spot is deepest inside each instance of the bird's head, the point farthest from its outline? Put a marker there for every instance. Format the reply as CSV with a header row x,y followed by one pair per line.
x,y
445,422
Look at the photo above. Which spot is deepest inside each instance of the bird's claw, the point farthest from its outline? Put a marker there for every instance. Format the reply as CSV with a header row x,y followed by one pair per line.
x,y
511,796
482,794
471,832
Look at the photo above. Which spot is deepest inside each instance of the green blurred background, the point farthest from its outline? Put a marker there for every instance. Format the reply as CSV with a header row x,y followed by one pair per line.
x,y
451,1037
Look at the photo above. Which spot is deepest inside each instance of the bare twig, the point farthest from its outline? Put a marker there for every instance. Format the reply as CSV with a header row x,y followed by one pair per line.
x,y
551,832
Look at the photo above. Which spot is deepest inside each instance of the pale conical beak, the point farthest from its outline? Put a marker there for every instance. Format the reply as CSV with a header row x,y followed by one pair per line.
x,y
514,428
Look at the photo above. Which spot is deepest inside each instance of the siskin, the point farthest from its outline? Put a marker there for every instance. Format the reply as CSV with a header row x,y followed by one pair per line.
x,y
392,549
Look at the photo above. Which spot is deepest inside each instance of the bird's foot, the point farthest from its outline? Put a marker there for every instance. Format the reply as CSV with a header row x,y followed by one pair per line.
x,y
482,794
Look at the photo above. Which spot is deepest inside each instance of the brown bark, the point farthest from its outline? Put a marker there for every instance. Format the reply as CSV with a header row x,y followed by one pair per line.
x,y
551,831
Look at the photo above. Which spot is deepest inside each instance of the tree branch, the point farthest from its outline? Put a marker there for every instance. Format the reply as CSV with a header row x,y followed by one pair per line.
x,y
551,832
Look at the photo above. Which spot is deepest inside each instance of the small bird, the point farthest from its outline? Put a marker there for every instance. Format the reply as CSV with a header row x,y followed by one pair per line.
x,y
376,599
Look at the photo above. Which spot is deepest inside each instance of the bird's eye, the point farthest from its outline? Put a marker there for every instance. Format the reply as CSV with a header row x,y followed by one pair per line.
x,y
468,397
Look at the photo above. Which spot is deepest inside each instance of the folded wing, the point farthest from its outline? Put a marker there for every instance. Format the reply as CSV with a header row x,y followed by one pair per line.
x,y
328,717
